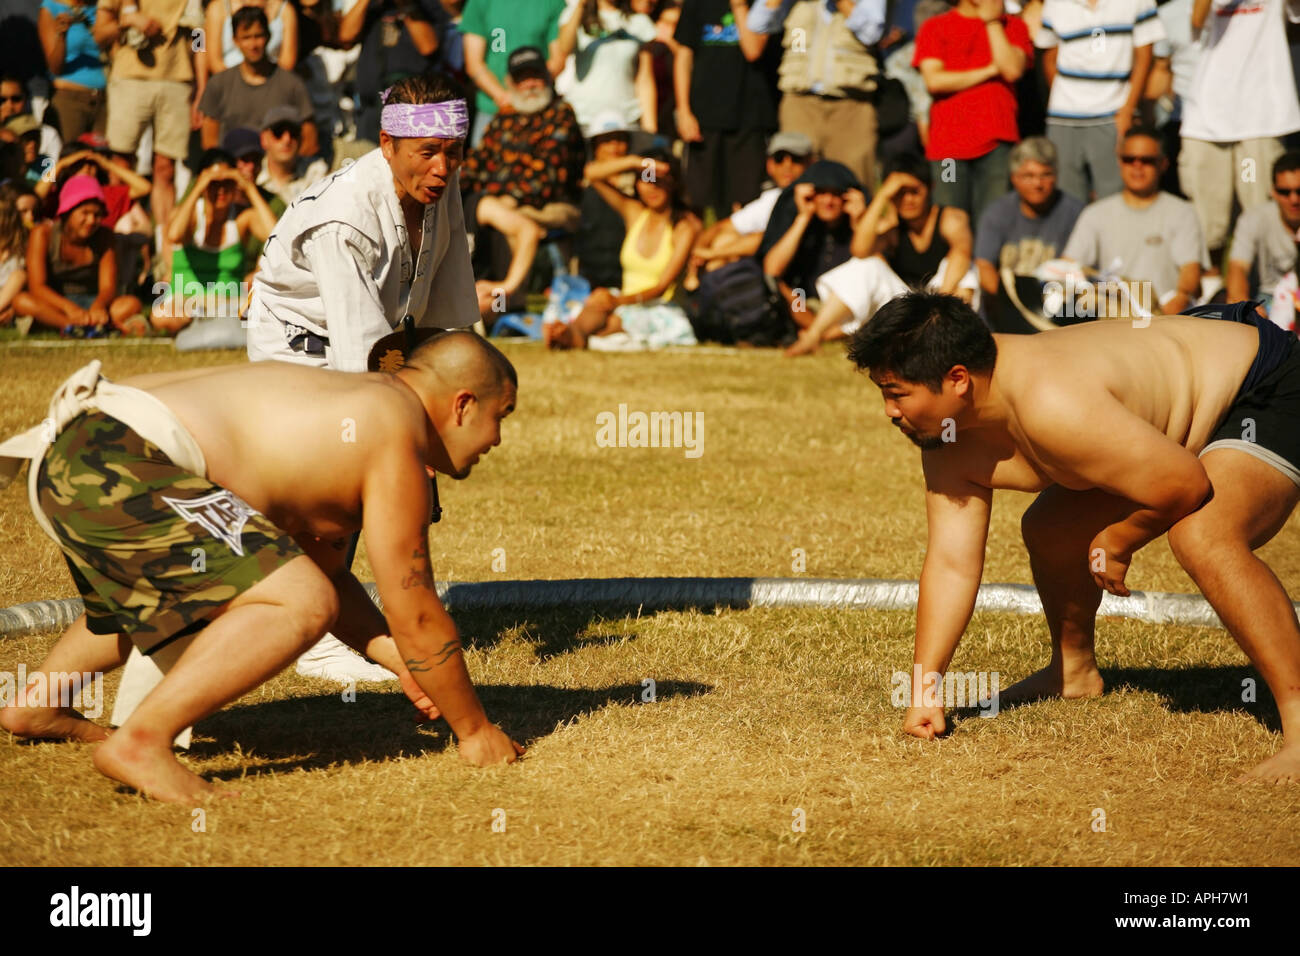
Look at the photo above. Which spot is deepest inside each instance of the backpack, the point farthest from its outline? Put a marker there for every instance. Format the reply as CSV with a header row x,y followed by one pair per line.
x,y
734,306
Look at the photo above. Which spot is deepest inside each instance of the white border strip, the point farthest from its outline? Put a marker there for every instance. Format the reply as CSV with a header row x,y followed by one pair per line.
x,y
1155,607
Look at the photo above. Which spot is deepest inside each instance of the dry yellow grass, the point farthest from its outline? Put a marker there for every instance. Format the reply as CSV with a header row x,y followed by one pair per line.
x,y
758,713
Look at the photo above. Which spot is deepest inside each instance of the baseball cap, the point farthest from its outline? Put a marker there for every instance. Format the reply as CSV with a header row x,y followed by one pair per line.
x,y
527,61
79,189
284,113
22,124
241,141
606,122
788,141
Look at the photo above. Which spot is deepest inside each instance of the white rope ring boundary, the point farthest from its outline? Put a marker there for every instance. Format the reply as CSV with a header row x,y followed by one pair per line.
x,y
656,594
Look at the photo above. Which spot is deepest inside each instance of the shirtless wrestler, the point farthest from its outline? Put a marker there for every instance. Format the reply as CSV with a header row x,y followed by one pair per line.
x,y
1189,426
297,460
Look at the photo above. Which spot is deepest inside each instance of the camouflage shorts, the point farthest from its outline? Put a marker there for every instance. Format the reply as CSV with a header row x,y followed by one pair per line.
x,y
155,550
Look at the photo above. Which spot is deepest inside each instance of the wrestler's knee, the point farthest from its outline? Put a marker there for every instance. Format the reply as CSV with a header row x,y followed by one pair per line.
x,y
1195,542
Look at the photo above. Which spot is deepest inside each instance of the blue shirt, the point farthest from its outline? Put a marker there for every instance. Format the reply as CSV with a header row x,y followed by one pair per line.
x,y
81,63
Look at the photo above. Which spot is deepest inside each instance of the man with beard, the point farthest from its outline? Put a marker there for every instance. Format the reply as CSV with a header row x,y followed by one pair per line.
x,y
523,178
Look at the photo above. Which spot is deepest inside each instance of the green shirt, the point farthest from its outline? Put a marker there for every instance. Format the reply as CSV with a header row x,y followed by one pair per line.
x,y
507,25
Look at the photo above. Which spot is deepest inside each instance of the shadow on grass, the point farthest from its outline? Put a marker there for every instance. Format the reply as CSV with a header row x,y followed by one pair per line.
x,y
380,725
1184,690
556,631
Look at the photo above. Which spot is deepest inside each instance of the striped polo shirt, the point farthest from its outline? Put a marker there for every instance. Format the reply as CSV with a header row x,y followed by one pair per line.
x,y
1094,54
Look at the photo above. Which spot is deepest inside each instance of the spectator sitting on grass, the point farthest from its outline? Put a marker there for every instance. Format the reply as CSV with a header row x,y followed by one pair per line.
x,y
904,241
285,170
13,248
25,130
1267,242
660,231
72,267
739,235
122,186
810,233
210,231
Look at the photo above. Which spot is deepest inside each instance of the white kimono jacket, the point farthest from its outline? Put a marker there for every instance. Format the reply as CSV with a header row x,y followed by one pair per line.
x,y
339,265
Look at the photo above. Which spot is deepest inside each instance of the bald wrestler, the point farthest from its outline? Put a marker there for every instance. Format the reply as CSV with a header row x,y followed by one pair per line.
x,y
285,463
1189,426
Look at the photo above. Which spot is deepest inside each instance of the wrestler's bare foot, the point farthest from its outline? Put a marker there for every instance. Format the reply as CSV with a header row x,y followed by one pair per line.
x,y
1054,681
1282,767
148,765
50,723
804,345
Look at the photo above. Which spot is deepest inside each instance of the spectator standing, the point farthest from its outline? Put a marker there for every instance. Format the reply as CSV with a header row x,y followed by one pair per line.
x,y
150,86
245,95
1170,80
281,31
724,78
1096,57
399,39
78,104
1142,233
971,57
828,74
1242,102
492,30
612,69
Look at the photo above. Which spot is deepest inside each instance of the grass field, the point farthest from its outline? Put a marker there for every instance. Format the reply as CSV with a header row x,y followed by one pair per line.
x,y
757,713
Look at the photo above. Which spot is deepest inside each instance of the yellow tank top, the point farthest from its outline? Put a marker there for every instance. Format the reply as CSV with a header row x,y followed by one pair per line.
x,y
639,272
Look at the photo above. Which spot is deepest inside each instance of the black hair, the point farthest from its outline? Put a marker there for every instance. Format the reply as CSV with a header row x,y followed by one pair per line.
x,y
12,78
493,361
247,16
425,88
1148,131
680,204
910,164
215,155
1288,162
920,336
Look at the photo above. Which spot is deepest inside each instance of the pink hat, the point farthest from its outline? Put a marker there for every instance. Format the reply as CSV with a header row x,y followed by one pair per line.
x,y
79,189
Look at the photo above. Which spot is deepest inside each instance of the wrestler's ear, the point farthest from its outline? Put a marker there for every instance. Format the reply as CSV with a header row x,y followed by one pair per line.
x,y
460,404
959,375
387,145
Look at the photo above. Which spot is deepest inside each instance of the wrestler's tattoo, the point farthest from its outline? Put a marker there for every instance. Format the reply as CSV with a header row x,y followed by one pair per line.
x,y
416,664
418,577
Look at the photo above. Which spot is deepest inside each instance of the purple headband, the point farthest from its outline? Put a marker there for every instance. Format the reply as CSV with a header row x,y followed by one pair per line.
x,y
446,120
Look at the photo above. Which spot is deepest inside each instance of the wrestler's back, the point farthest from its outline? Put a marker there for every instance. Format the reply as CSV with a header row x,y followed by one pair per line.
x,y
1179,373
294,442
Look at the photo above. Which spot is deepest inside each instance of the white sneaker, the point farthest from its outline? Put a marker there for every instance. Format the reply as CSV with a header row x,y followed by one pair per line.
x,y
331,659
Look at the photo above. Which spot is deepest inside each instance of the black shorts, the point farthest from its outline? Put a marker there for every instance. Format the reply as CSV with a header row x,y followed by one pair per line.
x,y
1264,421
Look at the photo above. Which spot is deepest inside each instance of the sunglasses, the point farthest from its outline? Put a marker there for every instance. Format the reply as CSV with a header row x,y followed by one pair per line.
x,y
279,129
1286,192
12,99
782,156
1144,160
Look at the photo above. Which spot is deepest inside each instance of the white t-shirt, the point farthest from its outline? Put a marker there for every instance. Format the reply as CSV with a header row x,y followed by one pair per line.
x,y
601,75
1243,88
1151,244
753,216
1095,55
1263,240
339,265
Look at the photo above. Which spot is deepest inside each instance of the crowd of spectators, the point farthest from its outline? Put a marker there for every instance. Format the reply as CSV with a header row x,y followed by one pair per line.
x,y
762,171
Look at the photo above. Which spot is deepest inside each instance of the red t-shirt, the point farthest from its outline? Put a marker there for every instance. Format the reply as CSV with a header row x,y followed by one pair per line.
x,y
970,123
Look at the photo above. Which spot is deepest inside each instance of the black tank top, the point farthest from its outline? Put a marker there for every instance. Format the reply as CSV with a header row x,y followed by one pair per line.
x,y
914,267
67,279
